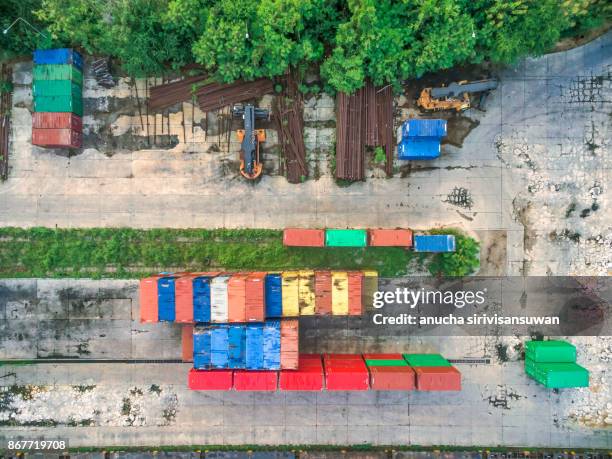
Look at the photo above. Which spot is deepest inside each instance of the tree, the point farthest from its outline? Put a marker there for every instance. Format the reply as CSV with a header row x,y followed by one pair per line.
x,y
21,39
462,262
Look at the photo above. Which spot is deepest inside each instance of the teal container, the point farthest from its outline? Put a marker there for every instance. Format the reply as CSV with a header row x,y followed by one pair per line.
x,y
58,72
59,104
550,351
426,360
558,375
346,238
53,88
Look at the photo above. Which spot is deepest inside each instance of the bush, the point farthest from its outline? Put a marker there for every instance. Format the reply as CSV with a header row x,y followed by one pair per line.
x,y
464,261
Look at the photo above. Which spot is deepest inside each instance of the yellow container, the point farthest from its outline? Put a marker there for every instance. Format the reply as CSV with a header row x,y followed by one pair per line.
x,y
290,294
340,293
370,285
306,293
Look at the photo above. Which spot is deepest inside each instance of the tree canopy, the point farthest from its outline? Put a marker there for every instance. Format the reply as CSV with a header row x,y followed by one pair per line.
x,y
386,41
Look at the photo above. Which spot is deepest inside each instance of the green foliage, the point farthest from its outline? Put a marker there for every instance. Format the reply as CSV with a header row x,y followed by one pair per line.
x,y
463,262
21,39
380,156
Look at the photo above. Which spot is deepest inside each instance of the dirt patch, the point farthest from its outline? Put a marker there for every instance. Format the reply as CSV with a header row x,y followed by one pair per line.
x,y
459,127
493,252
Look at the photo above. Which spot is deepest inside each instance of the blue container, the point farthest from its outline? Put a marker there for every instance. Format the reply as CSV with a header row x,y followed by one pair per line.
x,y
219,347
254,347
201,340
58,56
434,243
273,295
237,344
166,299
424,128
201,299
201,361
271,345
418,149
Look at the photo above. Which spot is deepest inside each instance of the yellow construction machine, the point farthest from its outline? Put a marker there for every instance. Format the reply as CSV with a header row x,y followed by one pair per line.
x,y
455,96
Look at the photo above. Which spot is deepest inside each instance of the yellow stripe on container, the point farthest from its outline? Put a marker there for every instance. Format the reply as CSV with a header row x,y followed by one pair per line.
x,y
290,294
340,293
306,293
370,285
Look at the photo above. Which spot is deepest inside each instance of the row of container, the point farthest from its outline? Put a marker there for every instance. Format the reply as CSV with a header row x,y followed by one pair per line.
x,y
553,364
339,372
272,345
212,297
301,237
57,88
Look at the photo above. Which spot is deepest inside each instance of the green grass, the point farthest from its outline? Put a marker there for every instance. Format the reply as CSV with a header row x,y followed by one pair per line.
x,y
132,253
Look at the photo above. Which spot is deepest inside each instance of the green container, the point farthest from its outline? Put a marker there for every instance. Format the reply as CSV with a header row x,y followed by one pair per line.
x,y
58,72
386,363
557,375
346,238
550,351
59,104
426,360
45,88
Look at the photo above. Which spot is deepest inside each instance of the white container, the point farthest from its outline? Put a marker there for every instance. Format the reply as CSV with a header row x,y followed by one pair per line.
x,y
218,300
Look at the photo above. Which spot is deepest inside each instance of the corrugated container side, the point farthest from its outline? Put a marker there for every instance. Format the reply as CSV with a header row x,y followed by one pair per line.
x,y
255,297
43,88
184,299
210,379
271,345
57,72
219,299
289,344
370,286
424,128
201,299
273,297
346,238
340,295
306,293
392,378
390,237
166,298
236,294
202,346
323,292
255,380
72,104
436,243
290,294
187,343
383,357
426,360
219,346
148,299
58,56
254,352
550,351
299,237
350,374
54,120
308,376
59,138
355,287
237,345
438,378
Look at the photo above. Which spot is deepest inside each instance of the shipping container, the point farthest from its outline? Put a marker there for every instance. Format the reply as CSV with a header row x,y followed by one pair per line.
x,y
558,375
306,293
219,346
148,299
436,243
340,294
419,149
210,379
219,299
370,286
236,297
52,120
166,298
299,237
426,360
255,297
58,56
245,380
346,238
348,374
383,356
386,363
435,128
273,297
202,344
290,294
438,378
57,138
57,72
308,376
53,88
202,298
59,104
323,293
183,288
392,378
254,356
390,237
237,346
271,345
550,351
187,343
289,344
355,287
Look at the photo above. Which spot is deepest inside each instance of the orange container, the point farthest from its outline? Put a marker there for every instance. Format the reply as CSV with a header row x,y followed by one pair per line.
x,y
289,344
183,291
255,297
57,120
148,299
323,292
299,237
59,138
355,284
187,342
390,237
236,297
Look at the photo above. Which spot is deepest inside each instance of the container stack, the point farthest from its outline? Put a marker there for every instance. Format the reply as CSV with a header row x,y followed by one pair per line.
x,y
433,372
553,364
389,372
58,102
309,375
345,372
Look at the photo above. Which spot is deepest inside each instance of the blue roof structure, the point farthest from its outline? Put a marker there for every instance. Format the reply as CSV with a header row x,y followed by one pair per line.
x,y
421,139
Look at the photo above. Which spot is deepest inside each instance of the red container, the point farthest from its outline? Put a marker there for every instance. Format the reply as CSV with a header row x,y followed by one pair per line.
x,y
59,138
308,376
342,357
392,378
183,291
299,237
323,293
248,380
210,379
148,299
437,378
346,372
187,343
255,297
289,344
57,120
355,286
390,237
383,357
236,297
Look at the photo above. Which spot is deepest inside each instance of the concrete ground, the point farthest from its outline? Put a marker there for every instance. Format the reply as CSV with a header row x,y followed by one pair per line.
x,y
536,168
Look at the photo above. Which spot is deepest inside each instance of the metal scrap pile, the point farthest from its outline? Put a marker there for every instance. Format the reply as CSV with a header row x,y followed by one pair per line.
x,y
363,118
289,121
